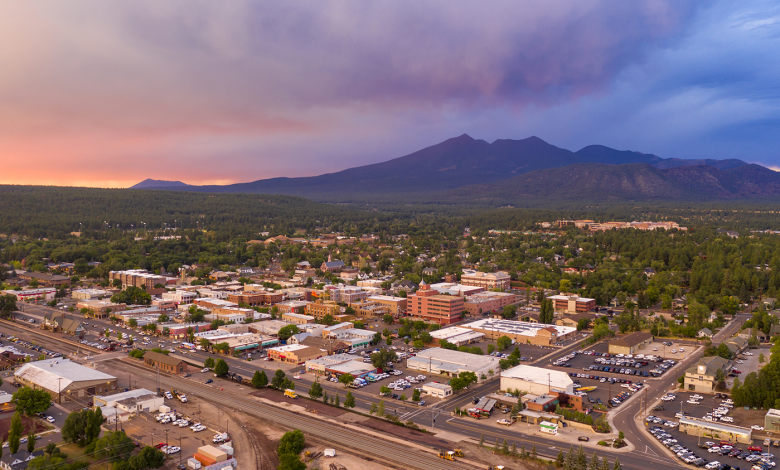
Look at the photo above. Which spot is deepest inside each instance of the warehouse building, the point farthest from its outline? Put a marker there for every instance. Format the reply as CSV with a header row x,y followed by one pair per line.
x,y
630,344
64,380
294,353
450,363
164,362
536,380
523,332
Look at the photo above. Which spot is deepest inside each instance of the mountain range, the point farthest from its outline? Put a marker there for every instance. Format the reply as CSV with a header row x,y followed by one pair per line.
x,y
463,168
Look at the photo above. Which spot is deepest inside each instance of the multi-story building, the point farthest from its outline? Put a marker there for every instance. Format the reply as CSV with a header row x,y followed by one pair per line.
x,y
395,305
572,303
369,309
499,280
428,305
139,278
485,302
292,306
297,318
180,297
347,294
320,309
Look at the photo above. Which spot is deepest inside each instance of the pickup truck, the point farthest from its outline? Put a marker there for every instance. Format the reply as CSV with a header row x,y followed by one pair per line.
x,y
505,422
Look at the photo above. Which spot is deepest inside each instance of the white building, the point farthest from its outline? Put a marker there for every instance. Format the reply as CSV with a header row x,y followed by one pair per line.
x,y
451,363
181,297
457,335
44,293
452,288
536,380
436,389
89,294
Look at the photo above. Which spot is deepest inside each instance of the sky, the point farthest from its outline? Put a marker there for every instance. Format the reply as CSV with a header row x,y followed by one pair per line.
x,y
106,94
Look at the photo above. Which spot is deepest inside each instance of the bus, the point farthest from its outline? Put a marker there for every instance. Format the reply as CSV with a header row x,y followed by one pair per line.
x,y
549,428
189,346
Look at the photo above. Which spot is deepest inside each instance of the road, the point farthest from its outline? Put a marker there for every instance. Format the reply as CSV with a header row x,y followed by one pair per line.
x,y
647,449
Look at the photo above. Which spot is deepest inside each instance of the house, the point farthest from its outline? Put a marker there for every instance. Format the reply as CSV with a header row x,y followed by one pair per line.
x,y
704,333
164,362
774,331
629,344
57,322
429,271
19,460
736,345
701,376
748,333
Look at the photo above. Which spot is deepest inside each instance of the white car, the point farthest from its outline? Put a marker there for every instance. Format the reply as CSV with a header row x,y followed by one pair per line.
x,y
713,449
756,427
712,465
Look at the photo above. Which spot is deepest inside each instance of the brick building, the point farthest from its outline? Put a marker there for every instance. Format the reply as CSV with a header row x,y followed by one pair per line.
x,y
428,305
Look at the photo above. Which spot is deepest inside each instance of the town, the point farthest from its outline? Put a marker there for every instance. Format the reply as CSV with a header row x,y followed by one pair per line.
x,y
338,324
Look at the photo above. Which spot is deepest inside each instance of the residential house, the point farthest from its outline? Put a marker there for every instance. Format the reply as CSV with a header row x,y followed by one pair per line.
x,y
704,333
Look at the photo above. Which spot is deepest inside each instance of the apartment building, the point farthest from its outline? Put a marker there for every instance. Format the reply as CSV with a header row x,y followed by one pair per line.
x,y
572,303
395,305
320,309
485,302
139,278
347,294
428,305
499,280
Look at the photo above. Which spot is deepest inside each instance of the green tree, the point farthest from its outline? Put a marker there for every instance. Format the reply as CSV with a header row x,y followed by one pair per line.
x,y
30,402
94,422
290,462
114,445
346,379
259,380
15,433
546,313
761,358
349,401
416,395
617,465
74,430
31,442
279,378
509,312
383,357
209,362
287,331
337,401
490,348
292,442
221,368
380,409
316,390
149,457
388,319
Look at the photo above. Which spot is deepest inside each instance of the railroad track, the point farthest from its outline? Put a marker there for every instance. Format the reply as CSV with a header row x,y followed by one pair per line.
x,y
36,336
385,450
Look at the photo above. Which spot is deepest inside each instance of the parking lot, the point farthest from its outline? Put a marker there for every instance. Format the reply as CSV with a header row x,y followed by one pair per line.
x,y
676,351
674,408
748,362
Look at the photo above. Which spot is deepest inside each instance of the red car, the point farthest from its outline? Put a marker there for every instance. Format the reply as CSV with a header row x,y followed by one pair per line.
x,y
160,445
755,449
735,371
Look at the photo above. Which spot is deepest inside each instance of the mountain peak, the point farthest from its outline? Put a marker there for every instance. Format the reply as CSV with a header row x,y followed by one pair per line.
x,y
152,183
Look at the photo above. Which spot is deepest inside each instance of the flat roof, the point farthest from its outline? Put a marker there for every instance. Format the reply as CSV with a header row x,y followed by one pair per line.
x,y
289,347
571,297
46,373
539,375
389,298
715,426
352,367
437,385
457,358
125,395
515,327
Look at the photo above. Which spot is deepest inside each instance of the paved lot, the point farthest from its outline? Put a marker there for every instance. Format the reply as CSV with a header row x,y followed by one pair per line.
x,y
749,364
658,349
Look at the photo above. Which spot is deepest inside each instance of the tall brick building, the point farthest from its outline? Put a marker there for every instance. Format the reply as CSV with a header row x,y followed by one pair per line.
x,y
428,305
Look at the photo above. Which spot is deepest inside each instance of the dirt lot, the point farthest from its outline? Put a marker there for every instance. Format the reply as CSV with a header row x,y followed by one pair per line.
x,y
27,425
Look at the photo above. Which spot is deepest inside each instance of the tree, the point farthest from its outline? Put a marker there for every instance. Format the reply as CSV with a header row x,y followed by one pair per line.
x,y
75,428
315,391
30,402
287,331
594,462
149,457
565,285
509,312
490,348
114,445
504,342
380,409
761,359
132,295
15,433
279,378
463,380
292,442
617,465
209,362
290,462
546,313
31,442
416,395
221,368
559,459
337,401
380,359
132,323
259,380
94,421
388,319
346,379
